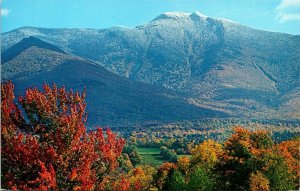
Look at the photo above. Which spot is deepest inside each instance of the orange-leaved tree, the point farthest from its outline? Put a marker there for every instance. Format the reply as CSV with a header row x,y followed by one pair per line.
x,y
258,182
45,144
163,174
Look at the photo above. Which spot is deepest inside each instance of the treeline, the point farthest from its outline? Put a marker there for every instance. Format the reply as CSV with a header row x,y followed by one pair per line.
x,y
245,161
45,146
168,155
158,135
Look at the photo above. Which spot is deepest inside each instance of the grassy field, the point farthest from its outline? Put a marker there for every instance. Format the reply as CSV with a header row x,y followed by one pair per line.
x,y
150,156
185,156
148,151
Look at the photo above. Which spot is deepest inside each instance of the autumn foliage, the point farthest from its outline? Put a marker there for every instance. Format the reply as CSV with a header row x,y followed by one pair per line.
x,y
251,160
45,144
258,182
207,153
248,160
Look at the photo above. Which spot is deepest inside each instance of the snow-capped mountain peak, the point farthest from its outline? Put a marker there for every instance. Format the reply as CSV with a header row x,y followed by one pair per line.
x,y
179,15
197,13
172,15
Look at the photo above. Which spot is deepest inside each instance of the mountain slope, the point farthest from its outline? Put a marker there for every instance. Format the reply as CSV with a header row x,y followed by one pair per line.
x,y
219,63
16,49
111,100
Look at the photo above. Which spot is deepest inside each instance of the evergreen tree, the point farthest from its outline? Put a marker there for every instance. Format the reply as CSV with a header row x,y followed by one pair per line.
x,y
201,180
176,181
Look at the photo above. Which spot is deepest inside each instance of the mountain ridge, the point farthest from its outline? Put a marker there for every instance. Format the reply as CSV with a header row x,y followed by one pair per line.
x,y
24,44
219,63
28,31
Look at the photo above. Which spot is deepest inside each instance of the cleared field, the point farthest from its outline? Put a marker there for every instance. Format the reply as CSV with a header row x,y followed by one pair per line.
x,y
184,156
150,156
148,151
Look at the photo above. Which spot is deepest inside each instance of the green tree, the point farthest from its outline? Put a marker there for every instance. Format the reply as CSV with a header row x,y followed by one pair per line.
x,y
201,180
168,154
176,181
279,176
131,151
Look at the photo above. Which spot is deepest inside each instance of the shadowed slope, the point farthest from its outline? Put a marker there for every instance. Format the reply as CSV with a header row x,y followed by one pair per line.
x,y
111,100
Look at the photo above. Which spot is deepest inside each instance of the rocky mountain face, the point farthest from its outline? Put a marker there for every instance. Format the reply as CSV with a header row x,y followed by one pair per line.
x,y
111,100
215,63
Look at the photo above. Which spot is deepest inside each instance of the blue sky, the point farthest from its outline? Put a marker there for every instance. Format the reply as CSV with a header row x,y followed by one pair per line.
x,y
271,15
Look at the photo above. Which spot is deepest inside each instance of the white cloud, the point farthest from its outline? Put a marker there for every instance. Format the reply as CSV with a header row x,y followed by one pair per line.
x,y
283,17
5,12
287,4
288,10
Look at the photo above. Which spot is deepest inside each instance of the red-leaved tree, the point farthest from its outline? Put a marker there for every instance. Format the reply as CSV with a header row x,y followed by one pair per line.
x,y
45,144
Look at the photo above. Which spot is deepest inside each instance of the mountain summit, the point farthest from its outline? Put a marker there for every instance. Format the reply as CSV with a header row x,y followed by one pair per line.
x,y
179,15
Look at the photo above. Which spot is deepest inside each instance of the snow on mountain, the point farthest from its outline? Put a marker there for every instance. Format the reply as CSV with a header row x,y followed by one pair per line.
x,y
217,62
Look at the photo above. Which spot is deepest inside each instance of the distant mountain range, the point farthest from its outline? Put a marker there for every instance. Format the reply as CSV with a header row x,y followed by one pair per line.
x,y
179,66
